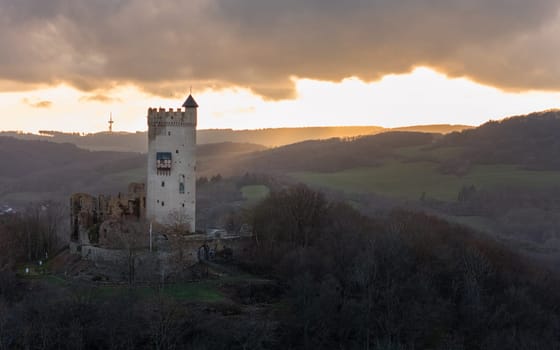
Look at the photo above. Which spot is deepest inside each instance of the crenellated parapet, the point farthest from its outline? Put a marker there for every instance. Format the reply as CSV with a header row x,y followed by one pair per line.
x,y
160,117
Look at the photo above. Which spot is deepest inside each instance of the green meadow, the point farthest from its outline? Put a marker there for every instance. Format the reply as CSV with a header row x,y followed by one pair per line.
x,y
409,180
202,291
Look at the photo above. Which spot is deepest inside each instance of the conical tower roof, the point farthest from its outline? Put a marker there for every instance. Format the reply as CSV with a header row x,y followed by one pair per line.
x,y
190,102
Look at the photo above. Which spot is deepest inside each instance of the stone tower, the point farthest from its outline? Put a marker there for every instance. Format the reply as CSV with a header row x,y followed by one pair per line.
x,y
171,181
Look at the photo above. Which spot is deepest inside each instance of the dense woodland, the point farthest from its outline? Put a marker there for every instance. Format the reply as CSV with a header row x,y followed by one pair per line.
x,y
400,280
531,141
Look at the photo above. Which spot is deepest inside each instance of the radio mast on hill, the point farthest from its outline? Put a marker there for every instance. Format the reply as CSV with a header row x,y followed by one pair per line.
x,y
111,122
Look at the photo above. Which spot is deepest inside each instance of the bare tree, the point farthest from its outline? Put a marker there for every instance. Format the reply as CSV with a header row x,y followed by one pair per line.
x,y
133,237
165,326
11,247
36,231
4,332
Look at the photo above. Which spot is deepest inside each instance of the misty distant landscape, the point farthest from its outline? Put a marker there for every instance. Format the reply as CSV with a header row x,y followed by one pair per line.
x,y
502,178
417,200
137,142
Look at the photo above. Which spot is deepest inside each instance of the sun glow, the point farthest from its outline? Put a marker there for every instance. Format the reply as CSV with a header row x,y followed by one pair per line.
x,y
423,96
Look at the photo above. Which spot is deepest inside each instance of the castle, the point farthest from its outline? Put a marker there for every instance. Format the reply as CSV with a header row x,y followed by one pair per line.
x,y
169,197
104,227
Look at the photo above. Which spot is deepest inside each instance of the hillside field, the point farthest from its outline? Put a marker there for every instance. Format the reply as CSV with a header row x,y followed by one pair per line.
x,y
408,180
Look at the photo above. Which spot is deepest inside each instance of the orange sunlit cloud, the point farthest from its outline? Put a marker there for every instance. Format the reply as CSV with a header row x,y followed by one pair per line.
x,y
420,97
266,63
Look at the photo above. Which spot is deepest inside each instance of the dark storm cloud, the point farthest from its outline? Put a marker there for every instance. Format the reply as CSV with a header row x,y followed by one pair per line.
x,y
164,46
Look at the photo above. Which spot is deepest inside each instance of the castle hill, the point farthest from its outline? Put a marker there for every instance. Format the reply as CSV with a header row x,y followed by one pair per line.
x,y
272,175
154,221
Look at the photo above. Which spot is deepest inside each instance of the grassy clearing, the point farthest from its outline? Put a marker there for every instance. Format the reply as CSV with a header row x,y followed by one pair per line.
x,y
206,291
53,279
410,180
254,193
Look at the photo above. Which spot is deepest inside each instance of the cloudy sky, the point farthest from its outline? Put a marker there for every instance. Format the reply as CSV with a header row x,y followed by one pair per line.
x,y
67,64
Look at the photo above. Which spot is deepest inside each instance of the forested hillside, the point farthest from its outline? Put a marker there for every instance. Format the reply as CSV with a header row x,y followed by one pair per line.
x,y
316,275
40,166
335,154
529,141
532,141
26,157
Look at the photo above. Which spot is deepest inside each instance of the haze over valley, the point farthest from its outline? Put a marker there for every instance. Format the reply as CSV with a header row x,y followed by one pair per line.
x,y
501,178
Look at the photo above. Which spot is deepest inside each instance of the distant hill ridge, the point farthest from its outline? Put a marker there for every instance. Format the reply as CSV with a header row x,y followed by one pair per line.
x,y
334,154
34,166
274,137
530,141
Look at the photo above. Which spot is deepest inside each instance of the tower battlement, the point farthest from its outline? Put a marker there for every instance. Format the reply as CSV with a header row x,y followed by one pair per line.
x,y
160,117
